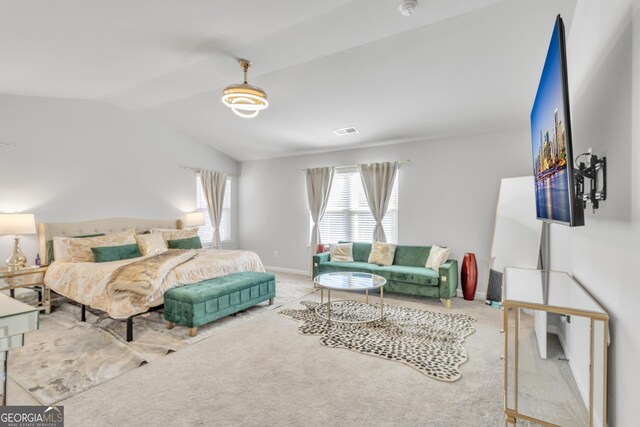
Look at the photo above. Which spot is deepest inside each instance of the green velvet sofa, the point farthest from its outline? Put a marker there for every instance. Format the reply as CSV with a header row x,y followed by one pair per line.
x,y
407,275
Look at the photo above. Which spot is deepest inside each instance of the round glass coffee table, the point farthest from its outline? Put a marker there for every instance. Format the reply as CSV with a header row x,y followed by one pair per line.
x,y
348,281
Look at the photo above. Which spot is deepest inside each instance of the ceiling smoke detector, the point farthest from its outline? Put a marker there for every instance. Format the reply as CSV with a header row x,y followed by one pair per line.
x,y
408,7
346,131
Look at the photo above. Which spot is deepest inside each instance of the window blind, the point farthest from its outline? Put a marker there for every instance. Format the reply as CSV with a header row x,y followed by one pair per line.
x,y
206,231
348,216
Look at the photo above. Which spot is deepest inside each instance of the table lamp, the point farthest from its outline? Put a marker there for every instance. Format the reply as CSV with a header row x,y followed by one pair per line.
x,y
194,219
17,224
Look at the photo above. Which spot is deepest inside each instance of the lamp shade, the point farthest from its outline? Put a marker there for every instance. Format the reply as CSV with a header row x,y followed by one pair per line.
x,y
194,219
17,224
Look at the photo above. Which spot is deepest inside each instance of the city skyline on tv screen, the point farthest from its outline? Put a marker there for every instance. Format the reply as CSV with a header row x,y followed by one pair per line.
x,y
549,140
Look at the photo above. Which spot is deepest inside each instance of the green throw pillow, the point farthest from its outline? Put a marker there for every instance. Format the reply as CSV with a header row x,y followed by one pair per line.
x,y
190,243
115,253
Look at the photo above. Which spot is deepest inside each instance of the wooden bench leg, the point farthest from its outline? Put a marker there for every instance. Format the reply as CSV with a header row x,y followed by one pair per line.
x,y
193,332
270,301
170,324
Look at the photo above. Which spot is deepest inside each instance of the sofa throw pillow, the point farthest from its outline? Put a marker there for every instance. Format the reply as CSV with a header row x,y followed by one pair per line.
x,y
115,253
437,257
189,243
382,253
341,252
151,244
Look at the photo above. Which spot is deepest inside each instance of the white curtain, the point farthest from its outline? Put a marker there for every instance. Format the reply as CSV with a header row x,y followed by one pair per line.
x,y
213,187
377,180
318,188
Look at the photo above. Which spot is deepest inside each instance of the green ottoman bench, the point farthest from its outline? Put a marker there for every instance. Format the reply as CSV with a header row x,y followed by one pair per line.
x,y
203,302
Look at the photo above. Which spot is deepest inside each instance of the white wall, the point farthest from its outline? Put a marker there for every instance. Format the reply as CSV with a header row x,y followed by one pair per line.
x,y
516,216
80,160
604,74
447,195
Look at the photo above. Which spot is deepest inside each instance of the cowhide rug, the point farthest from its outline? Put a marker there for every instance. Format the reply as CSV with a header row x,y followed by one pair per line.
x,y
429,342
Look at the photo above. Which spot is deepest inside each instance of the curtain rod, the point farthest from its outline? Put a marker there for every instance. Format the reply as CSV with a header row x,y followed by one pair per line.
x,y
198,170
399,162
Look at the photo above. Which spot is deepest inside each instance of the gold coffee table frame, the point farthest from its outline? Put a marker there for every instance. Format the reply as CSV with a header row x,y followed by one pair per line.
x,y
348,281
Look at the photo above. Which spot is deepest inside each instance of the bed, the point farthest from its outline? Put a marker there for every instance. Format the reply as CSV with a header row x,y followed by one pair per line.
x,y
126,288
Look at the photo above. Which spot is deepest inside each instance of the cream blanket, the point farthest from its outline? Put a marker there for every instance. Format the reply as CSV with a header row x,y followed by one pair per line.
x,y
111,287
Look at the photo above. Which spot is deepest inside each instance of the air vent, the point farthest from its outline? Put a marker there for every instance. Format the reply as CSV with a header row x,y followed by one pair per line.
x,y
345,131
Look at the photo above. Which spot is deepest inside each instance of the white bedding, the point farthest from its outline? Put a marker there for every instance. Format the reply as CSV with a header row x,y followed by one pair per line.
x,y
85,282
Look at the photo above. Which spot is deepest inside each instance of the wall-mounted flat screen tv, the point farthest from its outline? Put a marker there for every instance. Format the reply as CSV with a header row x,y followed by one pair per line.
x,y
551,140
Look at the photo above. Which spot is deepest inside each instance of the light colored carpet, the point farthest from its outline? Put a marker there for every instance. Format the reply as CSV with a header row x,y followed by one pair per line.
x,y
258,370
66,357
262,372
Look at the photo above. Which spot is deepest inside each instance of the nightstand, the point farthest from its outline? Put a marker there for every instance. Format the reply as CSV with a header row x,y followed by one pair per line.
x,y
28,277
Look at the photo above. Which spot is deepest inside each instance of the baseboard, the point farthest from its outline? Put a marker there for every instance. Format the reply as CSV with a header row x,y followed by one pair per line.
x,y
480,296
288,270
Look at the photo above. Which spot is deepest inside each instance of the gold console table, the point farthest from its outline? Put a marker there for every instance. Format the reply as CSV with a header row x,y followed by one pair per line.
x,y
569,387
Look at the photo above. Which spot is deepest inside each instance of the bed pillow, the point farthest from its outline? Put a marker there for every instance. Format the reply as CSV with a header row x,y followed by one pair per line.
x,y
382,253
151,244
341,252
189,243
115,253
50,255
175,234
437,257
79,249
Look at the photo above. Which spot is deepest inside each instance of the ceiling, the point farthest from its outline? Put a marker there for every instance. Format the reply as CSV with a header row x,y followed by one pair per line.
x,y
453,68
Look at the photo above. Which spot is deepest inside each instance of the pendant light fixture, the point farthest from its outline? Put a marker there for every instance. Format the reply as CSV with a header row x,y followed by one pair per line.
x,y
243,99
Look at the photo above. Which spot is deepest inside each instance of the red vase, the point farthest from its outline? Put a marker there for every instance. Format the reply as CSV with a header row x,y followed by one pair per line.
x,y
469,276
322,248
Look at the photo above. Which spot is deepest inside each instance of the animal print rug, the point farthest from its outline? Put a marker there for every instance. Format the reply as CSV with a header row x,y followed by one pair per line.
x,y
429,342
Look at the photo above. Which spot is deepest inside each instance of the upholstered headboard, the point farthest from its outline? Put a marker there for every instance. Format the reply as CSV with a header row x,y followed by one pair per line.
x,y
47,231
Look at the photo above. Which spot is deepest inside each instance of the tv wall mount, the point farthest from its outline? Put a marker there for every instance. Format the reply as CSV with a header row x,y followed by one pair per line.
x,y
595,170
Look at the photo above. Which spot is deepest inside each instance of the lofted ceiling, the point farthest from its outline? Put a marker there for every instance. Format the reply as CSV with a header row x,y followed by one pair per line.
x,y
455,67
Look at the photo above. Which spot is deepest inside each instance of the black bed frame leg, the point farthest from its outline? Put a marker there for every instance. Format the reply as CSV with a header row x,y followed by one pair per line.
x,y
83,313
129,328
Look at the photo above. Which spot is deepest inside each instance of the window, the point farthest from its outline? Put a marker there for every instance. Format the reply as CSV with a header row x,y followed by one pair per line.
x,y
348,216
206,231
